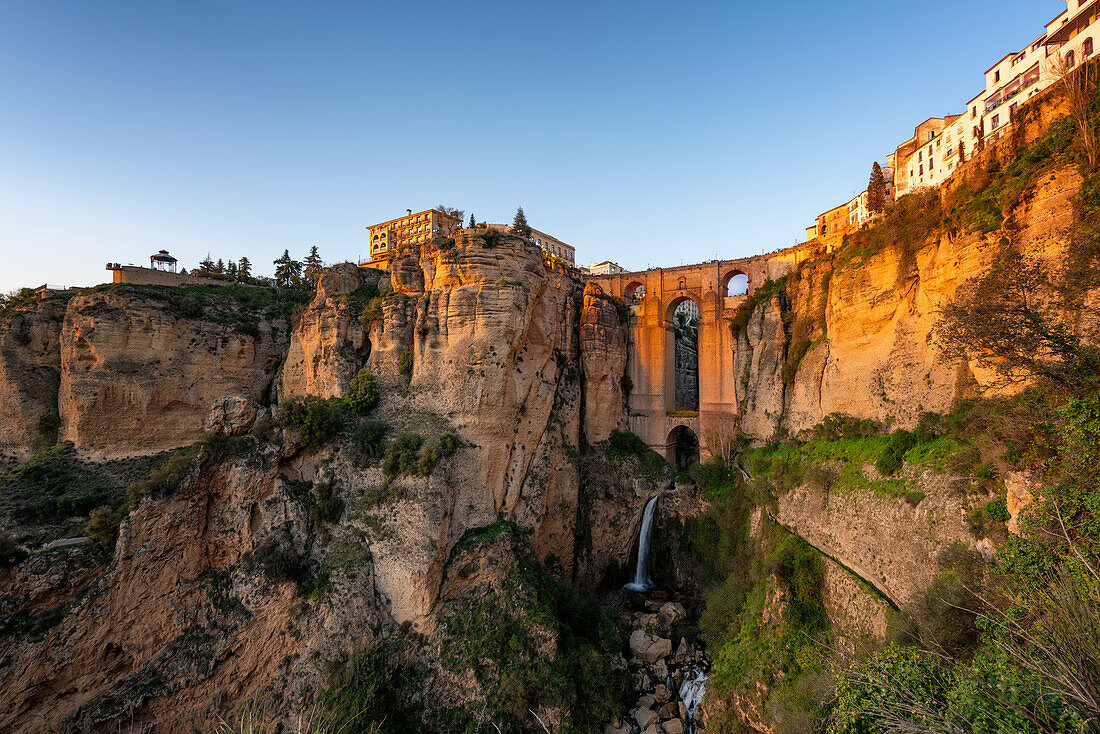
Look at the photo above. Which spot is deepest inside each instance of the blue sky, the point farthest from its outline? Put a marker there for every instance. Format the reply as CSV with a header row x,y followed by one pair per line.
x,y
647,133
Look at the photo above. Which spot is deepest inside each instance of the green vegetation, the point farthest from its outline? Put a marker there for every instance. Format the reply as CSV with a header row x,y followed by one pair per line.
x,y
474,537
405,362
362,395
232,304
624,444
10,552
409,453
513,672
316,420
766,292
103,526
369,441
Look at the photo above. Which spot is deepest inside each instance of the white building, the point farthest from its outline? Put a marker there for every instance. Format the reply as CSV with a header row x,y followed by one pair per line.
x,y
1015,79
605,268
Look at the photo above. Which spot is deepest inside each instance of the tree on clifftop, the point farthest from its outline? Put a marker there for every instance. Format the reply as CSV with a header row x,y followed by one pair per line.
x,y
519,224
314,266
876,189
473,222
288,272
244,268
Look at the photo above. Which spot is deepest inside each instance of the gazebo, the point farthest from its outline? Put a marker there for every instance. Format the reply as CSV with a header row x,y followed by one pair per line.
x,y
163,261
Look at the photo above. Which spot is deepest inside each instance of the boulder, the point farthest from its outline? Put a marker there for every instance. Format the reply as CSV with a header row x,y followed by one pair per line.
x,y
233,415
644,717
618,726
674,726
661,695
671,613
649,648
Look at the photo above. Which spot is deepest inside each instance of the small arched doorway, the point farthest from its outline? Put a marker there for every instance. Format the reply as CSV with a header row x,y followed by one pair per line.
x,y
683,448
736,283
634,292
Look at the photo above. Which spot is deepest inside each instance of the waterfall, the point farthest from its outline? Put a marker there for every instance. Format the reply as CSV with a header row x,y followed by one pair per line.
x,y
691,693
642,581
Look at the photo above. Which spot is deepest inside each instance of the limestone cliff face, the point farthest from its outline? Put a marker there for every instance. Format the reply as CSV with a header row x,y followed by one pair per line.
x,y
518,357
328,346
30,371
856,336
139,377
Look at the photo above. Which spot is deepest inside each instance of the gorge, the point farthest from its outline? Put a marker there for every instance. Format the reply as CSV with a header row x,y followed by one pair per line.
x,y
410,500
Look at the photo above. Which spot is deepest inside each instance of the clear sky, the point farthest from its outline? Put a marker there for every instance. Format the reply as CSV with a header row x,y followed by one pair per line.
x,y
647,133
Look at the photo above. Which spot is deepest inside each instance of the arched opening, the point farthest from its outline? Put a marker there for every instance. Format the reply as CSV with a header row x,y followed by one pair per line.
x,y
736,284
634,292
684,328
684,447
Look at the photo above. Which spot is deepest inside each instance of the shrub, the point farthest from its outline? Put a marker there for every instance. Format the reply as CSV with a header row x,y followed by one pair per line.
x,y
893,455
405,362
403,454
279,564
362,395
317,421
369,441
165,479
103,526
10,552
837,426
48,426
326,506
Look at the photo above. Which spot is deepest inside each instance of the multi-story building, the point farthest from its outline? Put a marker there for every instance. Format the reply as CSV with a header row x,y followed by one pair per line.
x,y
550,245
936,151
832,225
410,229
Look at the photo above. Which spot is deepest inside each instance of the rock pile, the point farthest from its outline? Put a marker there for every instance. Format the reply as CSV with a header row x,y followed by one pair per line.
x,y
658,672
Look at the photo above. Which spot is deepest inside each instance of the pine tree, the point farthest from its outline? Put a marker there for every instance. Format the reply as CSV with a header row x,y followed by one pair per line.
x,y
244,268
314,266
876,189
962,153
220,267
519,224
473,222
207,264
231,269
287,270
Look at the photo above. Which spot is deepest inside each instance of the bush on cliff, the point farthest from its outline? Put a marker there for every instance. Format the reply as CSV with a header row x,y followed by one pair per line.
x,y
362,395
103,526
316,420
369,441
10,552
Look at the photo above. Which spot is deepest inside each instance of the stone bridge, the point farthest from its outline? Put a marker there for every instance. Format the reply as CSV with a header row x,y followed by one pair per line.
x,y
717,288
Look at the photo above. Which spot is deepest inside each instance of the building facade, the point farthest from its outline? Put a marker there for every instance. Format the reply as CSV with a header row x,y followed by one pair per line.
x,y
550,245
936,152
605,268
411,229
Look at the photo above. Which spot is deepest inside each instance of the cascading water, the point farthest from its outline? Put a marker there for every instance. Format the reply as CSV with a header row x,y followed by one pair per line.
x,y
692,691
642,581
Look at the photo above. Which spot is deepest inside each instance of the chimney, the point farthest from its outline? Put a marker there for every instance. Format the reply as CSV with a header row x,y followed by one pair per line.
x,y
408,212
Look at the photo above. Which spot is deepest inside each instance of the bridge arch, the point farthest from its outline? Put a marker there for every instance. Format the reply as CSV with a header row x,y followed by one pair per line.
x,y
634,291
682,317
735,283
682,447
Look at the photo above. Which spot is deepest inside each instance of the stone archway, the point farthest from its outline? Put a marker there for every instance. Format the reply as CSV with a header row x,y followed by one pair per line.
x,y
735,283
634,291
682,319
683,448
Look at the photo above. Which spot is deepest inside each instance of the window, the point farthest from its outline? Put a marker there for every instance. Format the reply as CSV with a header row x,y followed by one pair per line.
x,y
1070,60
922,170
996,76
920,155
973,112
1088,46
1012,110
996,122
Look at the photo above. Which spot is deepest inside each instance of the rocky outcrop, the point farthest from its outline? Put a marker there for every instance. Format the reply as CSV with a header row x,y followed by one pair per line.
x,y
30,371
886,540
139,371
328,345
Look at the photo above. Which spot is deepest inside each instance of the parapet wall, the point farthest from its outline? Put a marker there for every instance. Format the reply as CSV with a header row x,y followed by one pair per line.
x,y
147,276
